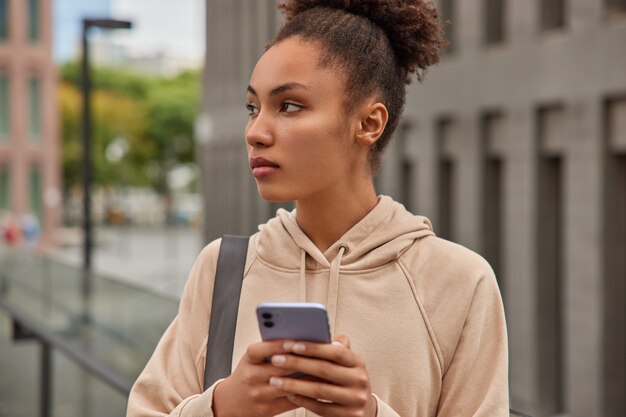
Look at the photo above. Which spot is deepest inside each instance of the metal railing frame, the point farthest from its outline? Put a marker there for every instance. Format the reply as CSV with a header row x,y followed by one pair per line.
x,y
25,327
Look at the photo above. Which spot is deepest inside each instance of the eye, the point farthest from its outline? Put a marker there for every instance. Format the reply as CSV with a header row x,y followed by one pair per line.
x,y
252,110
290,107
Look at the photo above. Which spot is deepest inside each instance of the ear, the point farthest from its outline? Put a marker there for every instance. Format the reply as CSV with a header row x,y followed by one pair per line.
x,y
373,119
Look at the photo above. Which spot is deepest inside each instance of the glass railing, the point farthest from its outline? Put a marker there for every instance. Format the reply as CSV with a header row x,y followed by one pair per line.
x,y
115,323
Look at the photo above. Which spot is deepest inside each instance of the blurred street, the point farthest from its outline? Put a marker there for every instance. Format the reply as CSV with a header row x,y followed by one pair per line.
x,y
158,258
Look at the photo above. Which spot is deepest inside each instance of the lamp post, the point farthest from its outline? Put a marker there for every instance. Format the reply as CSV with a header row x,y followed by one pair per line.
x,y
86,136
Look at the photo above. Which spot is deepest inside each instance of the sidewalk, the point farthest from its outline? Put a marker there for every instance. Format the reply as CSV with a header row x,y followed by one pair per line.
x,y
156,258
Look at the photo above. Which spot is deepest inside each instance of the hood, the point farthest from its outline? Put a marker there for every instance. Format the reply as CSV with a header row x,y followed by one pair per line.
x,y
380,237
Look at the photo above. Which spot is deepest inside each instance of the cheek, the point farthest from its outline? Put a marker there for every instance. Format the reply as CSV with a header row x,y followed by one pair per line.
x,y
320,148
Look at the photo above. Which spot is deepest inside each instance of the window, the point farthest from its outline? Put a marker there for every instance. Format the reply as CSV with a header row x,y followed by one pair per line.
x,y
35,191
446,197
33,20
447,182
407,187
615,286
552,14
550,255
493,192
4,107
494,14
550,279
404,166
493,189
5,189
616,5
34,108
4,20
447,17
614,302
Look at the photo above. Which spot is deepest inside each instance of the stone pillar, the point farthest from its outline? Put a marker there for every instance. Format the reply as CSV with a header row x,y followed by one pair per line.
x,y
519,258
583,259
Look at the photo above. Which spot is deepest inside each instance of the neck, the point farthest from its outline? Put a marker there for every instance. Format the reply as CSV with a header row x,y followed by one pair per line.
x,y
324,219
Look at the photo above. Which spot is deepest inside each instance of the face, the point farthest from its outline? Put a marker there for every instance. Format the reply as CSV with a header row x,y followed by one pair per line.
x,y
299,140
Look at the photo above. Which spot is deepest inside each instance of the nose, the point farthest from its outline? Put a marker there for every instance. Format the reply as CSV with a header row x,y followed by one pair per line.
x,y
258,132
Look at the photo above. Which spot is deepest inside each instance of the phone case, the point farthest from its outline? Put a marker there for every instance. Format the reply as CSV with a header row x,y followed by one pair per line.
x,y
295,321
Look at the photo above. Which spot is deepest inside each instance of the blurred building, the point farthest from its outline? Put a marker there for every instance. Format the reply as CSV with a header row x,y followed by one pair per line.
x,y
237,32
29,140
515,146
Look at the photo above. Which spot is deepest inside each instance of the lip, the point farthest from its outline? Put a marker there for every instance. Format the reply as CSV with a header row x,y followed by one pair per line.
x,y
262,167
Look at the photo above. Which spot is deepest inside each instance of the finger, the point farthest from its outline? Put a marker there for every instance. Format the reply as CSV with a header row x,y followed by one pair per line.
x,y
258,387
319,368
343,339
334,352
262,372
267,392
259,352
318,390
318,407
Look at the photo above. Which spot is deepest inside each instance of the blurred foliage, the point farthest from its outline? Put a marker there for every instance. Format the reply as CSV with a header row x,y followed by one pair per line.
x,y
153,115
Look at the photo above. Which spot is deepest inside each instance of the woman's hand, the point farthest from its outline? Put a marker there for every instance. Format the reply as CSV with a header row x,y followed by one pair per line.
x,y
341,387
247,391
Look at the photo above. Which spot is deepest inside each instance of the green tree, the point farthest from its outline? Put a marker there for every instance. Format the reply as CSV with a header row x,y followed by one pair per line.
x,y
154,116
172,108
113,117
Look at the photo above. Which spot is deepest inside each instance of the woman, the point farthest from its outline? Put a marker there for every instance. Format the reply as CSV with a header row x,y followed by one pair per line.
x,y
421,321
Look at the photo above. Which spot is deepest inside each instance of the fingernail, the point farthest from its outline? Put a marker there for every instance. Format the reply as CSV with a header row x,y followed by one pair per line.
x,y
287,346
336,343
278,359
276,382
299,347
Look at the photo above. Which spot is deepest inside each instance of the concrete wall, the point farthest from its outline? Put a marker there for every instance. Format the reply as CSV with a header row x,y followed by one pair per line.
x,y
515,150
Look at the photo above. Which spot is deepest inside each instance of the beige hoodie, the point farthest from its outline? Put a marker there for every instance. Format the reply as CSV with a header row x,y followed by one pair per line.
x,y
425,314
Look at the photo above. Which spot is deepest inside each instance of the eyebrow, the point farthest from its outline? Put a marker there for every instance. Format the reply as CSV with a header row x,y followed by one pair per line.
x,y
281,88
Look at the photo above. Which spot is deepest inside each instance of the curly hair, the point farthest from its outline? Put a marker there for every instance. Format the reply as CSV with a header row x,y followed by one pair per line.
x,y
378,44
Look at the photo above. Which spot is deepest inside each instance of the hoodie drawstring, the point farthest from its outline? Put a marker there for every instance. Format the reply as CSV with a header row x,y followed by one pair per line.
x,y
302,291
301,412
333,293
333,287
333,283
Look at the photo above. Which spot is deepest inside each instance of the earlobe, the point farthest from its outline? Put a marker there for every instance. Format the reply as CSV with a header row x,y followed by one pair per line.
x,y
372,124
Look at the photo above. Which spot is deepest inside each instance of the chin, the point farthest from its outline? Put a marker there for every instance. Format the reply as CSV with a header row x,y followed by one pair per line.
x,y
274,195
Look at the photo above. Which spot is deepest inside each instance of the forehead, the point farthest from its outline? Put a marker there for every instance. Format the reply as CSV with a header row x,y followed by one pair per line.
x,y
293,61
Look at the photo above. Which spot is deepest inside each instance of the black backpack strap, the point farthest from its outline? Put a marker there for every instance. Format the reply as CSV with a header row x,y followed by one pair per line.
x,y
227,289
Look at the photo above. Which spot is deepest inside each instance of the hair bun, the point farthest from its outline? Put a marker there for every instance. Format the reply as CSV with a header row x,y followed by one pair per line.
x,y
412,26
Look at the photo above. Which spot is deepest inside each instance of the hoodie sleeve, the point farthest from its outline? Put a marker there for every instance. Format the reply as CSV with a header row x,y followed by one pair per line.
x,y
475,382
172,382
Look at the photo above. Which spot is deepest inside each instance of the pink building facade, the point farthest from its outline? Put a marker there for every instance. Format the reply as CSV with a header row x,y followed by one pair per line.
x,y
30,170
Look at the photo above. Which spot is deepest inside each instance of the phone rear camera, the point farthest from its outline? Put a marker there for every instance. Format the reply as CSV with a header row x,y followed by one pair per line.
x,y
266,315
268,323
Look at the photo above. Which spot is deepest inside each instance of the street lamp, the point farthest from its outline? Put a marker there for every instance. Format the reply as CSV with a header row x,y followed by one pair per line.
x,y
87,168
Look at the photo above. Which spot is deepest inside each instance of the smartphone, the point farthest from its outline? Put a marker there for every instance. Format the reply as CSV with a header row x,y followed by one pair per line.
x,y
294,321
